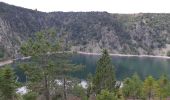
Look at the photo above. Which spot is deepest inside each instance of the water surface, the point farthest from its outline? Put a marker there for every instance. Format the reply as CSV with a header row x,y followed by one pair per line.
x,y
124,66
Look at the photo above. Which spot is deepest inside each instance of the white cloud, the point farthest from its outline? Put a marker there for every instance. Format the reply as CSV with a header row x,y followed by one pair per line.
x,y
113,6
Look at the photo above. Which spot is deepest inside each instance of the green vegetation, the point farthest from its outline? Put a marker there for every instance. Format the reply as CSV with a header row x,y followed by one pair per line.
x,y
42,73
149,88
105,74
163,87
132,87
89,32
80,92
8,84
106,95
30,96
141,33
168,54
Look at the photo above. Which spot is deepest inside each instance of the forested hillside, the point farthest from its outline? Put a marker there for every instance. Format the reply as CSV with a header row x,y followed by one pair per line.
x,y
86,31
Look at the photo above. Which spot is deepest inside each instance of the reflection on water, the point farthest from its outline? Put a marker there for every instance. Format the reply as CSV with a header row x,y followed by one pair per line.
x,y
124,66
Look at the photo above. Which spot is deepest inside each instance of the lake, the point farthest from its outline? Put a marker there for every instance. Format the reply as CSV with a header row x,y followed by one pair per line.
x,y
124,66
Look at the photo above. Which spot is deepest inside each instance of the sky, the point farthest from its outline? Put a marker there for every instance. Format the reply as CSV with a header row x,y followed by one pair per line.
x,y
111,6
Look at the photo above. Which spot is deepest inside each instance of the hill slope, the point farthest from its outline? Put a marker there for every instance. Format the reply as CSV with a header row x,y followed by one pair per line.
x,y
87,31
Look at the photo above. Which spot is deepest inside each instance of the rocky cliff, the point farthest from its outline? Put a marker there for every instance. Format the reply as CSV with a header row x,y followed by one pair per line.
x,y
87,31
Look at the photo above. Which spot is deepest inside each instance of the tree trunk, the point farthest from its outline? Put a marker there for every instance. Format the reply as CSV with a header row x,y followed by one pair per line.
x,y
64,84
45,63
160,97
12,98
47,94
150,95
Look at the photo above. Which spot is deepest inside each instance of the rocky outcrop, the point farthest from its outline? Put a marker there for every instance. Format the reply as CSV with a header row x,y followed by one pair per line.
x,y
86,31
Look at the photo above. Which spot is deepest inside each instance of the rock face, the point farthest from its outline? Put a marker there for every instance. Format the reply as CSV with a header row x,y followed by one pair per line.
x,y
86,31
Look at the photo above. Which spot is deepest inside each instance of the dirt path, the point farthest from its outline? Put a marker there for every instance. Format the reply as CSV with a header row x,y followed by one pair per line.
x,y
2,63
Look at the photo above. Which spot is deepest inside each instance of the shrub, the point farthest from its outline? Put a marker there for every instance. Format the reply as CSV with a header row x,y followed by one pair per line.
x,y
106,95
168,54
30,96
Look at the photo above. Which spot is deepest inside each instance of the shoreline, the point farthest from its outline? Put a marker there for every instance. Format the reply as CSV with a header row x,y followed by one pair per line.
x,y
6,62
125,55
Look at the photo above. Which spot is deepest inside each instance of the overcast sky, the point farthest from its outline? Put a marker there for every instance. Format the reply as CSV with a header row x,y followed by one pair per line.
x,y
112,6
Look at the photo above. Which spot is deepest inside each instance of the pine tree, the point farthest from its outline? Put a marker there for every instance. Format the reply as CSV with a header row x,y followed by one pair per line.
x,y
47,63
149,88
163,87
39,72
8,84
90,84
105,74
106,95
132,87
66,67
126,90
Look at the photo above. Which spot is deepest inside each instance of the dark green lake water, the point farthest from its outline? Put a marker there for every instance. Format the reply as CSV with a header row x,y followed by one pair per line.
x,y
124,66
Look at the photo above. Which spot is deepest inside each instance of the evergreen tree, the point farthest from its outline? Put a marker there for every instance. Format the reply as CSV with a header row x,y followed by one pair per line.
x,y
39,73
149,88
30,96
79,91
105,74
8,84
132,87
89,84
163,87
65,67
126,90
47,64
106,95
